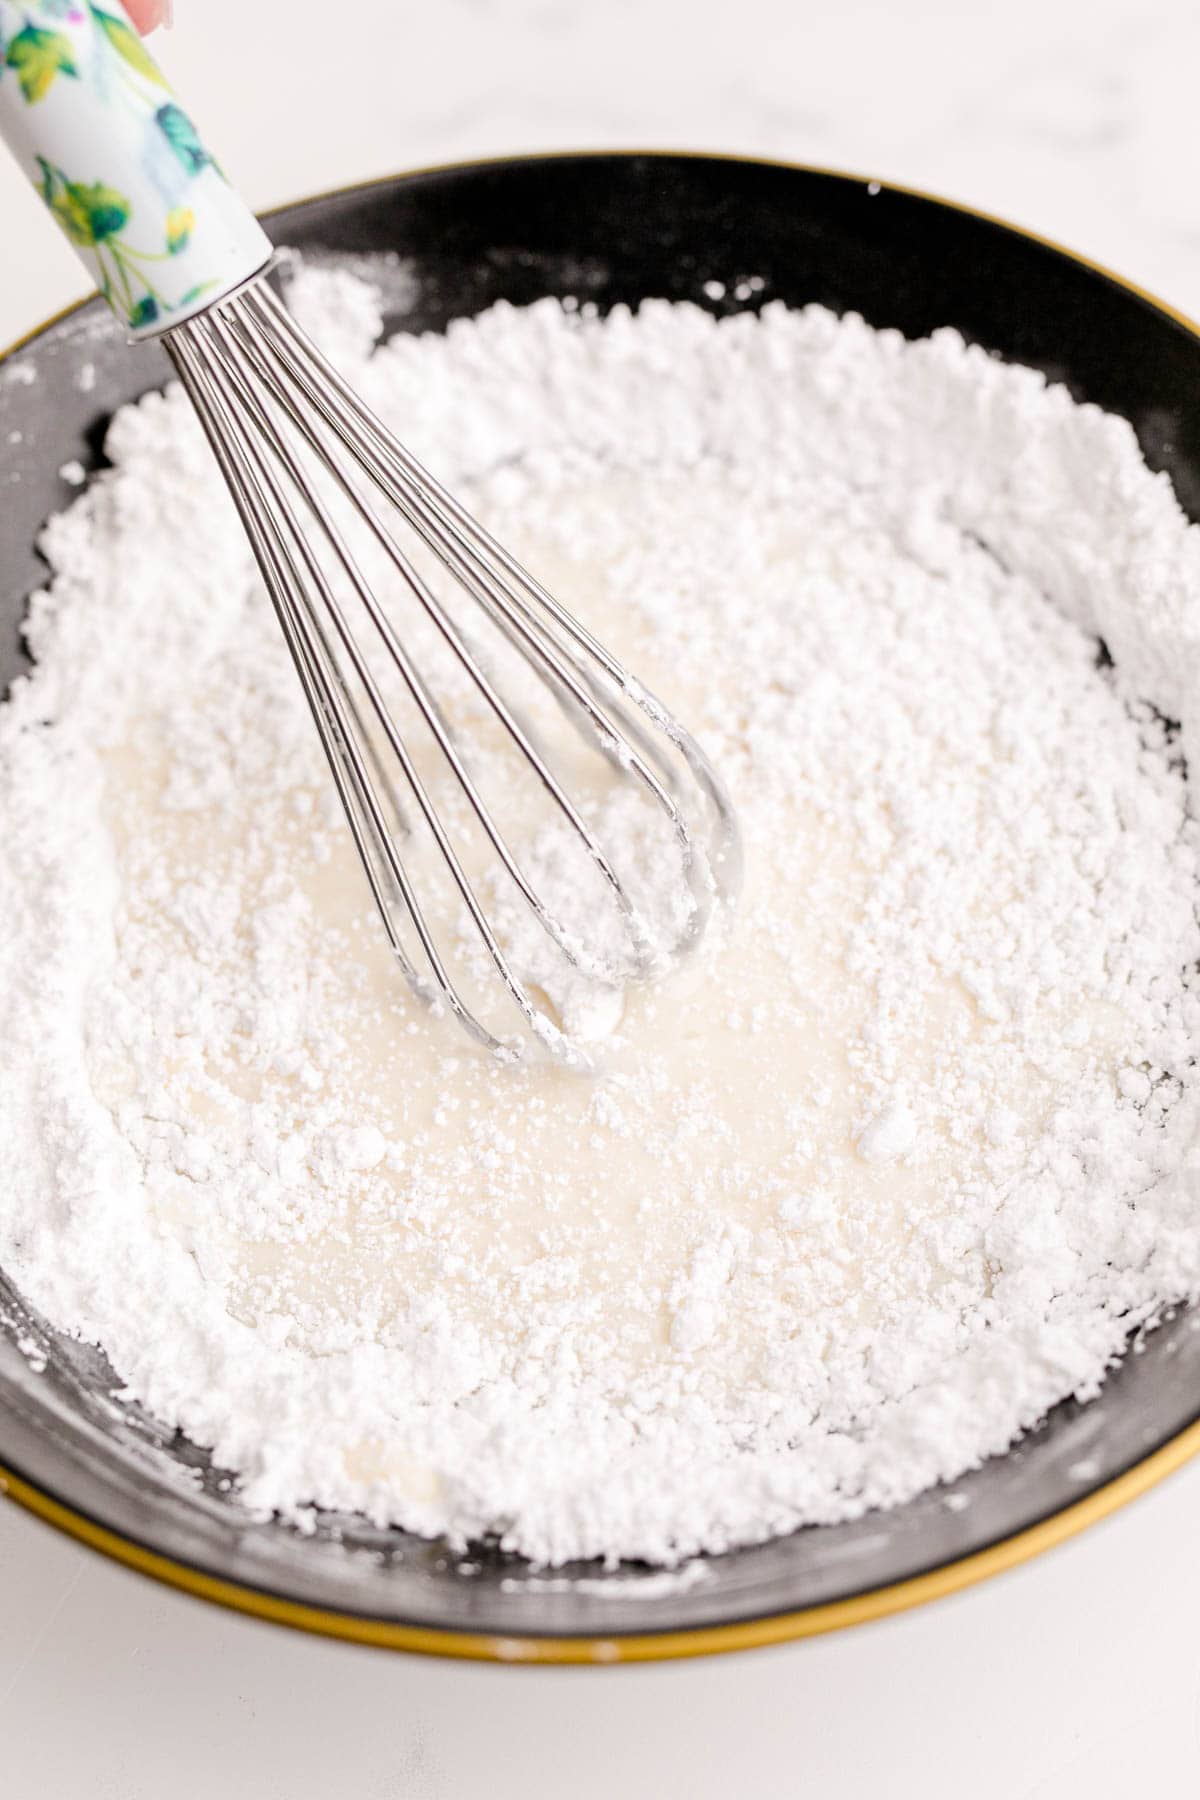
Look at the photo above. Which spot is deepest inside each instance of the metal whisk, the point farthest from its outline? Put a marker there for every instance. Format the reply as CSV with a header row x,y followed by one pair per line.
x,y
307,463
248,368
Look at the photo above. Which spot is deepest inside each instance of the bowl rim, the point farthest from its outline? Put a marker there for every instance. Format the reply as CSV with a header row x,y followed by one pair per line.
x,y
774,1628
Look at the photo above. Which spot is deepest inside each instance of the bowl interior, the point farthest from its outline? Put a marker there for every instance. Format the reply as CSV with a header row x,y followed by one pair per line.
x,y
608,228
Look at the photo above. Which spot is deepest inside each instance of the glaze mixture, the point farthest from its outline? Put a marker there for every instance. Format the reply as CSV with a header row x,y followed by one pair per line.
x,y
852,1200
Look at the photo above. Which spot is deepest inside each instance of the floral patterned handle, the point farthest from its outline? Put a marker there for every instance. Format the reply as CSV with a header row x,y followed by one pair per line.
x,y
119,163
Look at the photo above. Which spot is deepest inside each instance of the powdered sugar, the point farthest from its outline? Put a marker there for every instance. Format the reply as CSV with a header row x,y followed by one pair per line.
x,y
855,1201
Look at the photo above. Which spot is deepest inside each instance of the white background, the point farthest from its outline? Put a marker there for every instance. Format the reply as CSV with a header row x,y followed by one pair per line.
x,y
1078,1676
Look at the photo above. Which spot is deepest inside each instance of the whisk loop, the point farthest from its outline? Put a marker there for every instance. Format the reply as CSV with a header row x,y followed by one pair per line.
x,y
302,453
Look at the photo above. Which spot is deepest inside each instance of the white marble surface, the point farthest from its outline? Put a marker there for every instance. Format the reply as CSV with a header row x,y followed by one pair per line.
x,y
1077,1676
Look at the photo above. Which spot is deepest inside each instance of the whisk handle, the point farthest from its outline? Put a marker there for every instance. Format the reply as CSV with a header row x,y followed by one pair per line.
x,y
90,116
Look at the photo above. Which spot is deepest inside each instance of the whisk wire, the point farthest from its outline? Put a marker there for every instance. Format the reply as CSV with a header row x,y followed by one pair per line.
x,y
255,379
569,945
426,487
298,551
494,578
261,513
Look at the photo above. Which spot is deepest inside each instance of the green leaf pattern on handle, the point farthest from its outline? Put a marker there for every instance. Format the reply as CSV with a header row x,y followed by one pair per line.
x,y
183,138
128,45
89,215
93,217
37,57
45,44
198,292
181,222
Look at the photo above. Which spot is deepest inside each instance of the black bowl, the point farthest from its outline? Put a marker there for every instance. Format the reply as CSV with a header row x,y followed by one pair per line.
x,y
608,228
